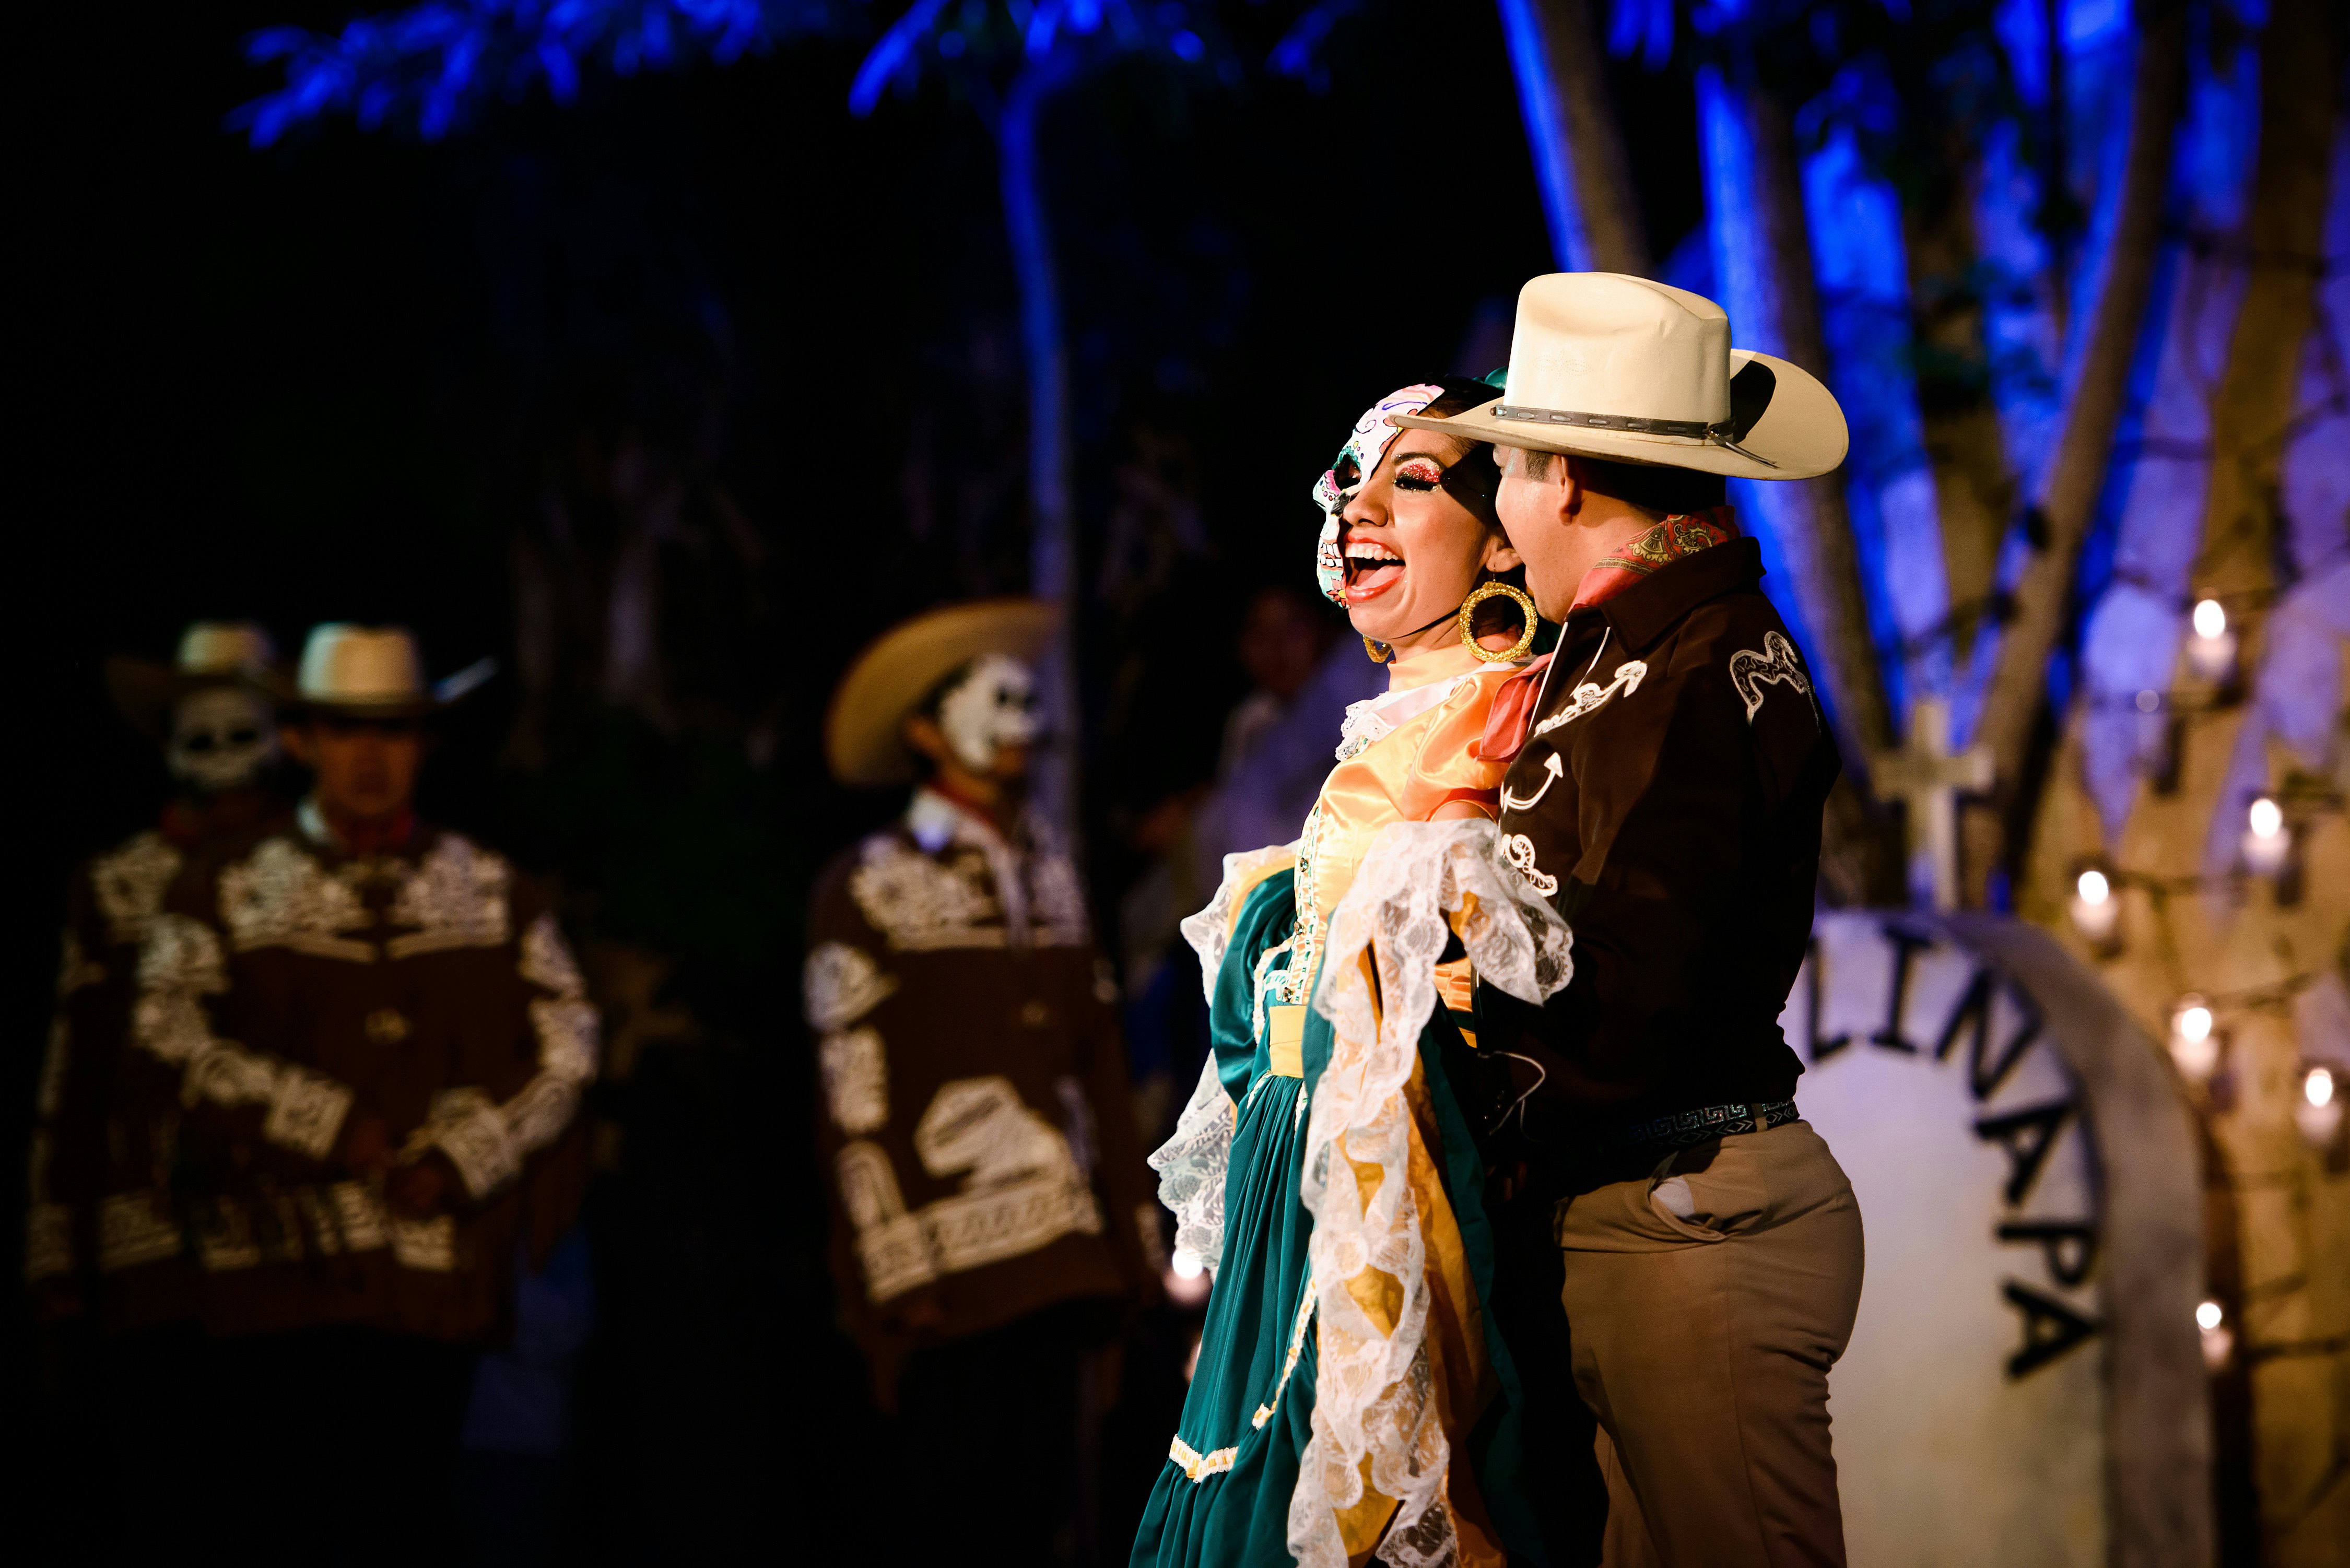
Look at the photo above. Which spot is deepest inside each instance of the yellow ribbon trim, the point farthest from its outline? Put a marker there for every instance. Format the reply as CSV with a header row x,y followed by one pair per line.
x,y
1197,1466
1285,1032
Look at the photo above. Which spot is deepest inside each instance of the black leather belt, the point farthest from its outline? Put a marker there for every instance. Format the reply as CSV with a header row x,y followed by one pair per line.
x,y
1681,1128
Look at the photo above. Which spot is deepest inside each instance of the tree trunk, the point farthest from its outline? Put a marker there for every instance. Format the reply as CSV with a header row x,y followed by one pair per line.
x,y
1052,520
1762,268
1571,129
2068,492
2255,409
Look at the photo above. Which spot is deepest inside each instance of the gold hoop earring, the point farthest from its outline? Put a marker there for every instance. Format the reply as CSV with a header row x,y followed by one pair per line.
x,y
1517,649
1379,651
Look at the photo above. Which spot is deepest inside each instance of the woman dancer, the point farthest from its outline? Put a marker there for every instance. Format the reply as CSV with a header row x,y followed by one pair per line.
x,y
1404,1435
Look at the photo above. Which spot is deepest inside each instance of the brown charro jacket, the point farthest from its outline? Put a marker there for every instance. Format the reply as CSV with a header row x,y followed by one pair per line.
x,y
1668,798
101,1234
977,1134
292,987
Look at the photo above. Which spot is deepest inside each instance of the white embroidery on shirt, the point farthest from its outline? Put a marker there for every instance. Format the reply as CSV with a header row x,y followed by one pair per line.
x,y
129,883
280,897
856,1079
918,903
456,896
1590,697
1750,672
1551,766
841,984
1520,851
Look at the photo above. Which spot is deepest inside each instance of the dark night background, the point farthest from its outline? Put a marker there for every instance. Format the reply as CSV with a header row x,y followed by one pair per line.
x,y
359,377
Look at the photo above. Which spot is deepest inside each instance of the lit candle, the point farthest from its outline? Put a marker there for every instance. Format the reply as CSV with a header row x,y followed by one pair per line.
x,y
2319,1110
2211,651
2096,913
2212,1323
2194,1043
2267,842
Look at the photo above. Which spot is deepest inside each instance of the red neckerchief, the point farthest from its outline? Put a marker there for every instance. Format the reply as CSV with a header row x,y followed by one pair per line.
x,y
365,840
1511,718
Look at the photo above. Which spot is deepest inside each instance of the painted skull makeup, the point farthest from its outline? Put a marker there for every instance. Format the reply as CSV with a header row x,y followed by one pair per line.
x,y
992,706
1356,460
222,739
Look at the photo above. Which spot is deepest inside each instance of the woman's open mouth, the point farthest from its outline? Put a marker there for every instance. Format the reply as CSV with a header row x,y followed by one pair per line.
x,y
1371,569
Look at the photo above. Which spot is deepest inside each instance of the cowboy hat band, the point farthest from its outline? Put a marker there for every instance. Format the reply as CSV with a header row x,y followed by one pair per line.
x,y
1608,365
1716,433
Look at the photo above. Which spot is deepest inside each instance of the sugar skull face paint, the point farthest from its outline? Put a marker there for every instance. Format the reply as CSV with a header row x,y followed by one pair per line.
x,y
992,706
1366,444
222,739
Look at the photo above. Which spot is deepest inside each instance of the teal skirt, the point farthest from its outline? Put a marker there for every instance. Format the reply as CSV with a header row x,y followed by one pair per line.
x,y
1221,1501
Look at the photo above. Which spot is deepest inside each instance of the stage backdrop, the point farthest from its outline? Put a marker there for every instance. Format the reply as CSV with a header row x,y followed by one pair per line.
x,y
2025,1383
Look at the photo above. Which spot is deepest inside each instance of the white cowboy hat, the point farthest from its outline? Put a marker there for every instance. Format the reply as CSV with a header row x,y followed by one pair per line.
x,y
1608,365
864,737
375,672
211,653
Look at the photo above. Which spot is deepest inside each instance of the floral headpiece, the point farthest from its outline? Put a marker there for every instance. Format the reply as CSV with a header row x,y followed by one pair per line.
x,y
1365,444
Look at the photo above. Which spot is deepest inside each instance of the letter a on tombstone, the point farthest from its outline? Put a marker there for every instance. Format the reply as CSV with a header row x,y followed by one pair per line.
x,y
2027,1135
2050,1329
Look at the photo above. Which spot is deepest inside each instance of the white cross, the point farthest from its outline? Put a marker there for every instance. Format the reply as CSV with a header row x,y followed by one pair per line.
x,y
1929,780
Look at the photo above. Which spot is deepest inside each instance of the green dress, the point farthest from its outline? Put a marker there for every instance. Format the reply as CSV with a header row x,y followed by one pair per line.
x,y
1223,1496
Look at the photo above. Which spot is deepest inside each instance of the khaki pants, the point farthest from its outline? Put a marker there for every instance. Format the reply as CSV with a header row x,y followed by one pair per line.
x,y
1706,1304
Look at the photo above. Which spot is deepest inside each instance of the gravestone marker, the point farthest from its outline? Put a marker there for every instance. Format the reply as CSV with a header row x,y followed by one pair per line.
x,y
2024,1384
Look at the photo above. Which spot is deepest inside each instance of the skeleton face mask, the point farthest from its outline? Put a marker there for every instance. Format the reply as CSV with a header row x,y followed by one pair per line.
x,y
993,705
222,739
1365,444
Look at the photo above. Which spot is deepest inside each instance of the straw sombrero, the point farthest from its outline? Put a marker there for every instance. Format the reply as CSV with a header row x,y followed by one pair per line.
x,y
863,735
211,653
1608,365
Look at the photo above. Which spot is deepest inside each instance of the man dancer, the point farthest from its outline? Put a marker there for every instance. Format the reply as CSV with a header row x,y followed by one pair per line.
x,y
110,1276
992,1211
1672,764
381,1039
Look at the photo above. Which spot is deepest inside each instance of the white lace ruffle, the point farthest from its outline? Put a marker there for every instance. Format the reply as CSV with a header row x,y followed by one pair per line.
x,y
1191,1167
1211,928
1374,1397
1191,1164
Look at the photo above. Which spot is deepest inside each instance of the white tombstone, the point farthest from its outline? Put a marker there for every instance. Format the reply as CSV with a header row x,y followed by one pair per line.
x,y
2025,1385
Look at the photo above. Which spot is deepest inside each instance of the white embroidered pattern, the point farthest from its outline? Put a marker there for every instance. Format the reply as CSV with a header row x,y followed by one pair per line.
x,y
892,1248
456,897
918,903
1022,1191
279,896
1519,850
129,882
856,1079
1777,664
841,984
546,960
1590,697
306,1111
180,962
134,1228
